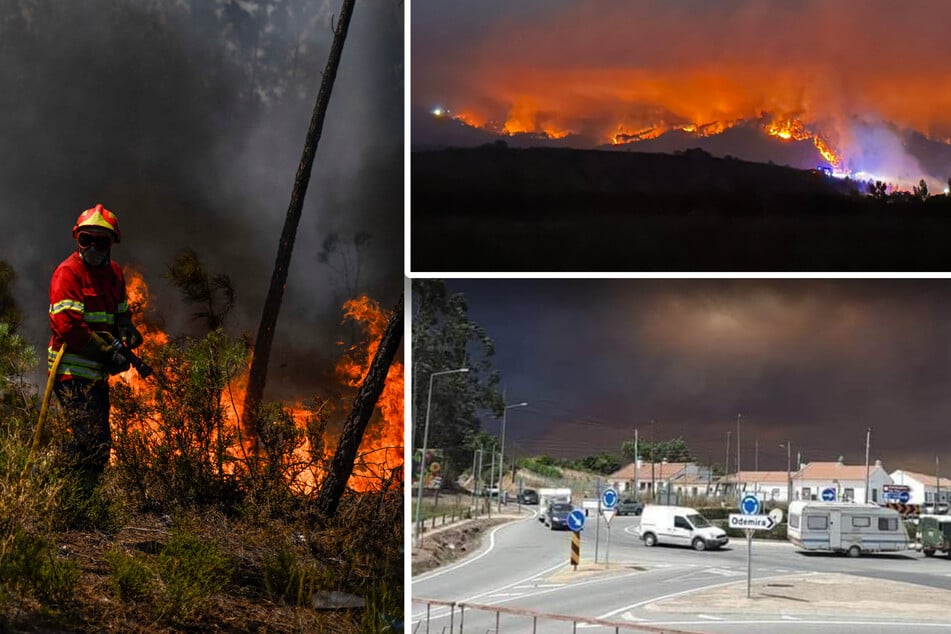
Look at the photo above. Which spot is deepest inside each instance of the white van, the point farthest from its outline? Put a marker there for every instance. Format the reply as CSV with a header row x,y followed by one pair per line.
x,y
679,525
845,527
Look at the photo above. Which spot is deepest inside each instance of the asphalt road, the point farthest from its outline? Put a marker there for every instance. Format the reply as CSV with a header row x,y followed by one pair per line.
x,y
523,567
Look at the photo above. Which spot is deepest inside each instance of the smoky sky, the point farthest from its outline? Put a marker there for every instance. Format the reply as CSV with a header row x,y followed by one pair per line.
x,y
813,361
593,69
187,119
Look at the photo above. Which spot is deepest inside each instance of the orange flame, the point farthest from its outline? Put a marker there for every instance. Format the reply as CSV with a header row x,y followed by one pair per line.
x,y
381,450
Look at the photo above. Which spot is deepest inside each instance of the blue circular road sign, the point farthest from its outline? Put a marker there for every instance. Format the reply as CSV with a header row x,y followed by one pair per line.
x,y
749,505
828,495
576,520
608,499
903,497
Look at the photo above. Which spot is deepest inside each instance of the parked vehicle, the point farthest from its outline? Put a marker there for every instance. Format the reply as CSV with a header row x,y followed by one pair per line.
x,y
680,525
845,527
557,515
934,534
548,495
630,506
528,496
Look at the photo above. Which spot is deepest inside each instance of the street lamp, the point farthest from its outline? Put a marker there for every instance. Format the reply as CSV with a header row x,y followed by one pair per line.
x,y
788,446
422,459
502,448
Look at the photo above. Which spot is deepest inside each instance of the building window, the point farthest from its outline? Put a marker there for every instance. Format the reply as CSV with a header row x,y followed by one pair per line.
x,y
848,495
817,522
874,495
806,492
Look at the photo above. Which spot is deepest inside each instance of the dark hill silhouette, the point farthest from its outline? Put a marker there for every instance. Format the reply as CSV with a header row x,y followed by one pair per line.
x,y
557,210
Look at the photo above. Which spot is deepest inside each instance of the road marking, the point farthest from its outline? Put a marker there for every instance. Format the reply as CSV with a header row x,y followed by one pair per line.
x,y
608,615
442,571
710,618
627,616
786,617
541,585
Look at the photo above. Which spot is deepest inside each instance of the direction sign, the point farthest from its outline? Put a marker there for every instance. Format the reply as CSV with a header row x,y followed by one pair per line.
x,y
749,505
904,497
752,522
576,520
608,515
828,495
608,498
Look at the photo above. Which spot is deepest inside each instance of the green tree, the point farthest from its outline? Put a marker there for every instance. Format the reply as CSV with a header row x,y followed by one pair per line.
x,y
672,450
444,338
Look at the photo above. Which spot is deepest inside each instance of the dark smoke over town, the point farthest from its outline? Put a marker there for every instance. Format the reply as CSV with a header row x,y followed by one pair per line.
x,y
187,119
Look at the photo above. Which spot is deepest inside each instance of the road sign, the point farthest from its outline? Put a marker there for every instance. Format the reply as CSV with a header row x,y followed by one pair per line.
x,y
608,498
749,505
752,522
576,520
608,515
904,497
828,495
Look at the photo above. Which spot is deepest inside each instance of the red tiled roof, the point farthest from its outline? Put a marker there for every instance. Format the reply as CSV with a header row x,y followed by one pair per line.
x,y
662,470
833,471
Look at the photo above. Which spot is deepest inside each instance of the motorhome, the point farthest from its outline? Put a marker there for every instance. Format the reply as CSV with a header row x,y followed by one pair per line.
x,y
548,495
679,525
845,527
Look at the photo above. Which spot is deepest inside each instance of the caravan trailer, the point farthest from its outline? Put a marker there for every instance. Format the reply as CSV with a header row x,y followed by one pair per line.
x,y
846,527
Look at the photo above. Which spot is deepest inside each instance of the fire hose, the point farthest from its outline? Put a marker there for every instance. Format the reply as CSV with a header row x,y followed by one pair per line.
x,y
44,408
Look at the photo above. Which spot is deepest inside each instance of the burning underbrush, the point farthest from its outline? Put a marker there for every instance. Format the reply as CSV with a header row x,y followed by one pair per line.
x,y
194,524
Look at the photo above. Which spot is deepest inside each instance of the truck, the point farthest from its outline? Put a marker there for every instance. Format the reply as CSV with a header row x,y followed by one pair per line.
x,y
679,525
934,534
548,495
851,528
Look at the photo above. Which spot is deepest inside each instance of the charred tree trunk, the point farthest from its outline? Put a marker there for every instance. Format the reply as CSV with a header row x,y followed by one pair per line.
x,y
342,465
272,305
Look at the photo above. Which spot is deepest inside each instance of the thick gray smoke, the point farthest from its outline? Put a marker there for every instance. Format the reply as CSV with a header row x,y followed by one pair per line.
x,y
187,119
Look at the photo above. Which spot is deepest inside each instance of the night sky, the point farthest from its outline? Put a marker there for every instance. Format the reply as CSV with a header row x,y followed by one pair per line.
x,y
856,72
814,361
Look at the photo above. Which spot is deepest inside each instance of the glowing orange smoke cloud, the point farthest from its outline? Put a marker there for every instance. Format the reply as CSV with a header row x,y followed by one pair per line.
x,y
382,449
616,72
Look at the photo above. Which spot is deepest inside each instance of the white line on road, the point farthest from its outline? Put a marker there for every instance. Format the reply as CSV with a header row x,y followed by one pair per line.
x,y
710,617
786,617
442,571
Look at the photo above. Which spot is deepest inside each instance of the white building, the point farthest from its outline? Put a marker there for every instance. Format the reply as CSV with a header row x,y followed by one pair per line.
x,y
846,481
922,487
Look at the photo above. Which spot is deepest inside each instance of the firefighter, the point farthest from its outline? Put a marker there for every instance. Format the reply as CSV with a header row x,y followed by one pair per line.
x,y
88,309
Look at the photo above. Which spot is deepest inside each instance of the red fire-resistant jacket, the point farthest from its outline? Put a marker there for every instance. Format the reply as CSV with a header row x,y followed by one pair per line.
x,y
82,299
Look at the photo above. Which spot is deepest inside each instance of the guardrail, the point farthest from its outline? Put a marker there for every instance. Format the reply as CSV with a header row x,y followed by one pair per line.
x,y
513,620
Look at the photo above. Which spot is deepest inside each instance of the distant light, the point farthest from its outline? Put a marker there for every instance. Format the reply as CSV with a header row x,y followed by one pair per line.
x,y
947,191
438,112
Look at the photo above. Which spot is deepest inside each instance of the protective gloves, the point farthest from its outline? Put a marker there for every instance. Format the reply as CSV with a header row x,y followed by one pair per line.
x,y
128,332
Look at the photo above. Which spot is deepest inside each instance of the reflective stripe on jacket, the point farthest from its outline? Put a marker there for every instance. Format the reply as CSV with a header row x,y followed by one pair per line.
x,y
83,299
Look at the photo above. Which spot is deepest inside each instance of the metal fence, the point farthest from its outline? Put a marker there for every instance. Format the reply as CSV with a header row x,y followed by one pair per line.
x,y
449,617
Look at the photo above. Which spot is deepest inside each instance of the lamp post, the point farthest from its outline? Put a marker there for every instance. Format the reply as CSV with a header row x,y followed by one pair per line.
x,y
422,458
788,447
502,448
868,437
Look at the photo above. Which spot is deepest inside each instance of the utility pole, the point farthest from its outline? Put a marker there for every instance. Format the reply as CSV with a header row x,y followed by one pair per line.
x,y
737,447
726,469
653,481
637,464
868,437
937,483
